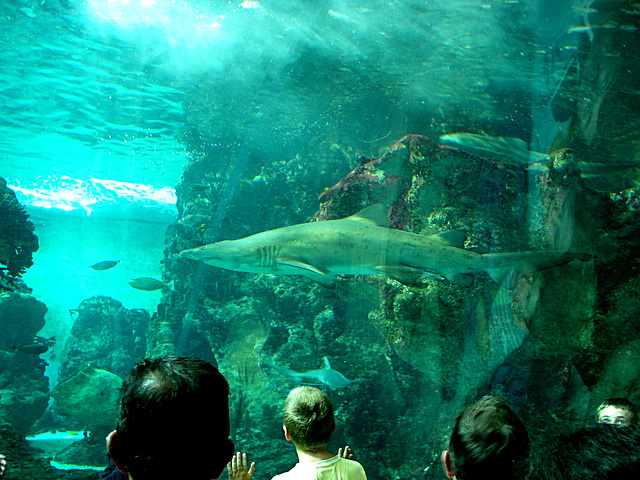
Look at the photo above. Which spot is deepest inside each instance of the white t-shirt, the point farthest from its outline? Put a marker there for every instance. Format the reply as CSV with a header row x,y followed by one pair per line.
x,y
334,468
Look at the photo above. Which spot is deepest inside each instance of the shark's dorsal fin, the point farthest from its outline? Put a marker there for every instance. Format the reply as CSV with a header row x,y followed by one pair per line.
x,y
295,262
375,213
327,365
453,238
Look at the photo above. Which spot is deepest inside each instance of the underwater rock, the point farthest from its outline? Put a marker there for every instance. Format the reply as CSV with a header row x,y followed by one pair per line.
x,y
556,193
23,385
21,317
90,397
457,338
23,465
430,189
18,241
106,335
89,451
557,220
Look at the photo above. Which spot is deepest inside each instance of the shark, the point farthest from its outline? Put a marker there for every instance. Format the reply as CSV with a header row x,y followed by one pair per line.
x,y
325,376
363,244
607,177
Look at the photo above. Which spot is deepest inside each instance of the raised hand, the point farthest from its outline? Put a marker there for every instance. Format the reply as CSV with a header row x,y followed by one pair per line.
x,y
346,453
237,467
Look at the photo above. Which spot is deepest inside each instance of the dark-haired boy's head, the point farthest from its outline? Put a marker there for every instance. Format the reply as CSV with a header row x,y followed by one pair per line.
x,y
488,441
308,418
173,420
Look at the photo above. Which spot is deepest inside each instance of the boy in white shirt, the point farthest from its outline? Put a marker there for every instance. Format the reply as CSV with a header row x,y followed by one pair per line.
x,y
309,423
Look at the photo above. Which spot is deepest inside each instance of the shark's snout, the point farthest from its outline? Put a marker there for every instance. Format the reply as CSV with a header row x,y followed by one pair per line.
x,y
192,253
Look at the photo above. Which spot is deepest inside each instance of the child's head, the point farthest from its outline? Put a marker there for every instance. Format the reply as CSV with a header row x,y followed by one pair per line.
x,y
308,418
489,441
617,411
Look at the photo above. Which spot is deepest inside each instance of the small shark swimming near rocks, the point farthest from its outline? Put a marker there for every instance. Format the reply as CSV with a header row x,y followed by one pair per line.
x,y
325,376
363,244
601,177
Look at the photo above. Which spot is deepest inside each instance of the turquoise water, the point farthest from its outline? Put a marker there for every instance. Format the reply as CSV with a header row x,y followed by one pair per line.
x,y
133,130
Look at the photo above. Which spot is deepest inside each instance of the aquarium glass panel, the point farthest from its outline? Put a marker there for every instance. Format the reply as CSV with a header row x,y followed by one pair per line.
x,y
406,204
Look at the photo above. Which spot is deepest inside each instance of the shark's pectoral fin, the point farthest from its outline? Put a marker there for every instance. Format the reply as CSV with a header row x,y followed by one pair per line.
x,y
327,281
500,275
294,262
461,279
402,273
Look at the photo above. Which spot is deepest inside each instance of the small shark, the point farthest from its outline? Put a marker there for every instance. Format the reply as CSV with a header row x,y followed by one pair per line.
x,y
601,177
510,150
362,244
326,376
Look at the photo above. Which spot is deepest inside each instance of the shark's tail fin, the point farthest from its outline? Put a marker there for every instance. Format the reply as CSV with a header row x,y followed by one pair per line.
x,y
296,376
500,265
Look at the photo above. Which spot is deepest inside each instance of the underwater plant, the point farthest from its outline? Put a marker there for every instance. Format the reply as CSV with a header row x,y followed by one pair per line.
x,y
18,241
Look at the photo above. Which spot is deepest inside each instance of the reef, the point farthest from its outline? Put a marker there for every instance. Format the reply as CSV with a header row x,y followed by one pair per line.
x,y
105,342
23,465
90,397
18,241
105,335
24,389
422,351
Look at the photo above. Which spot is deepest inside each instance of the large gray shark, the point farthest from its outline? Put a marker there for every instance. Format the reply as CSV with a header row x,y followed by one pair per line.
x,y
362,244
326,376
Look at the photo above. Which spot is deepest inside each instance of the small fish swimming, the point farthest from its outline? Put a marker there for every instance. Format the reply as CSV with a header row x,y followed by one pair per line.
x,y
106,265
326,376
45,341
31,348
150,284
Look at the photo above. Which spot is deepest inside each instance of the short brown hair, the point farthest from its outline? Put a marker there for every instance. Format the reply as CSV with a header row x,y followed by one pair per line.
x,y
489,441
308,417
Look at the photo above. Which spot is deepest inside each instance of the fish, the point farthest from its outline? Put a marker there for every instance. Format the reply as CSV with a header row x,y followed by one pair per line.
x,y
323,376
601,177
363,244
106,265
150,284
45,341
31,348
510,150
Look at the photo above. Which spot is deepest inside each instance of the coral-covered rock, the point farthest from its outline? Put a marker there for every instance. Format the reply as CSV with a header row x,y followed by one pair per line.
x,y
89,397
18,241
455,335
106,335
23,385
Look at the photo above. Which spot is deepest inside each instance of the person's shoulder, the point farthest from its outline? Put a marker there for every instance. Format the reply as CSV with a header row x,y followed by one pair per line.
x,y
352,465
350,461
286,475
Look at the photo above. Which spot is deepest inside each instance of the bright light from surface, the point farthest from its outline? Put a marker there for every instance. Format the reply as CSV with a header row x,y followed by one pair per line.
x,y
250,4
131,12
